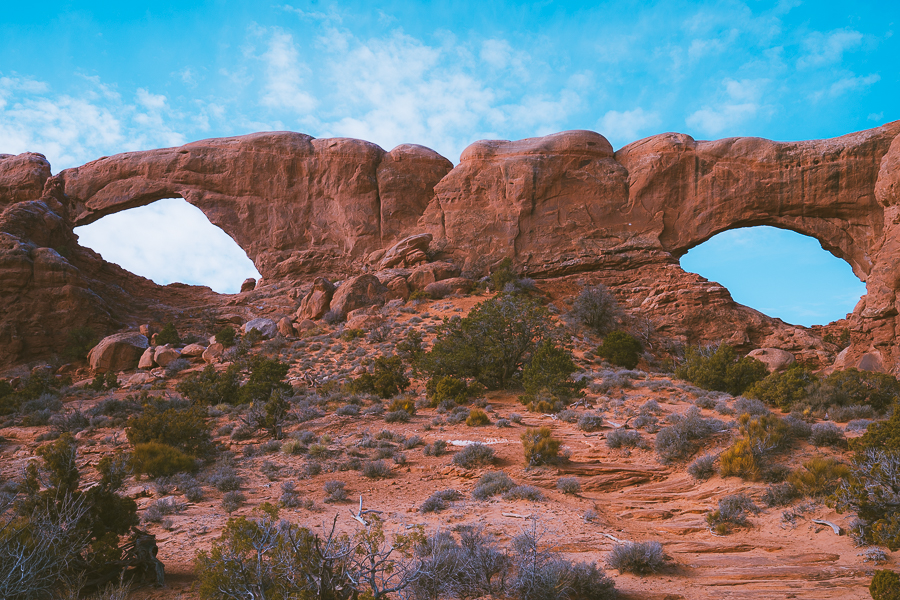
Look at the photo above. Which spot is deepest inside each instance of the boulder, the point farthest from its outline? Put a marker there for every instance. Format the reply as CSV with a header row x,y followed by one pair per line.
x,y
248,285
305,325
445,287
164,355
137,379
266,327
398,289
118,352
146,361
285,327
429,273
193,350
358,292
775,359
316,303
406,252
213,353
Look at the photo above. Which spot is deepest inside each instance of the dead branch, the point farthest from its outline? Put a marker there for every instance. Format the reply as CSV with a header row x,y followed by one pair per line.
x,y
837,530
358,515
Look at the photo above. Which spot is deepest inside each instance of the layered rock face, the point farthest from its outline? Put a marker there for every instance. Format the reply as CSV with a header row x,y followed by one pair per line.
x,y
561,205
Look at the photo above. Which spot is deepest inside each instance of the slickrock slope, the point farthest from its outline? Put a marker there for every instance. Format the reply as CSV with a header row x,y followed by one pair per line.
x,y
557,206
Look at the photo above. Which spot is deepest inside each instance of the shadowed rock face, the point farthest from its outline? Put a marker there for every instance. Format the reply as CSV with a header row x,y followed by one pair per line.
x,y
556,205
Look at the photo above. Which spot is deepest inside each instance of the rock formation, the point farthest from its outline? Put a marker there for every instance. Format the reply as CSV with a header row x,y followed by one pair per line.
x,y
563,205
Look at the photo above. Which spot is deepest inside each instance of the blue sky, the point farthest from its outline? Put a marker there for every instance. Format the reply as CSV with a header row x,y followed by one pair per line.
x,y
83,80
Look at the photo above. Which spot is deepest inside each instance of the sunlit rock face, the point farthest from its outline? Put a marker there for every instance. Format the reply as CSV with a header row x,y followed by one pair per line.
x,y
564,205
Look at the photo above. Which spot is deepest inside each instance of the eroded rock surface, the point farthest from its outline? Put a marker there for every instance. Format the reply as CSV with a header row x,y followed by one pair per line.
x,y
555,206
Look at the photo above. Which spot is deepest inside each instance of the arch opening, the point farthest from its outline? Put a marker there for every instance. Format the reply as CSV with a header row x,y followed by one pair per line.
x,y
778,272
170,241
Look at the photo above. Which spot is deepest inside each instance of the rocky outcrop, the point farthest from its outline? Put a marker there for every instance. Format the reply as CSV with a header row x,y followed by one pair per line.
x,y
561,205
118,352
358,292
315,304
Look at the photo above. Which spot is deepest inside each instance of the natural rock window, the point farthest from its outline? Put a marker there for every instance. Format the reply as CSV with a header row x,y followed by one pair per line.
x,y
778,272
170,241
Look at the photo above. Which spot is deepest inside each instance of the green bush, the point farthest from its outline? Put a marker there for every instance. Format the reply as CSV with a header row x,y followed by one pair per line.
x,y
79,342
621,349
885,585
161,460
491,344
760,435
386,380
819,476
783,389
540,446
720,370
211,388
266,376
225,336
851,386
183,428
477,418
502,275
408,405
33,387
549,375
449,388
883,435
168,335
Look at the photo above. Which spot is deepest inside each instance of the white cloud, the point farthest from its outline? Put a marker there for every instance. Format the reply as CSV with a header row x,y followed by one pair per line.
x,y
740,101
847,84
150,101
877,117
627,126
828,48
284,81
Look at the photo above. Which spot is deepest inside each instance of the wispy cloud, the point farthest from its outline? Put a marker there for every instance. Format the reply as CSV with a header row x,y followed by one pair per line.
x,y
828,48
627,126
739,102
283,87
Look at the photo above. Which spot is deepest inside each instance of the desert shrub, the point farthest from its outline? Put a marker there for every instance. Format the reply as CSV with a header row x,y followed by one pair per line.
x,y
621,349
885,585
492,483
819,476
335,491
183,428
524,492
439,500
79,342
161,508
883,435
720,370
405,404
826,434
590,422
231,501
640,558
780,494
161,460
596,308
474,455
843,414
732,512
396,416
347,410
624,437
568,485
191,488
225,336
870,490
677,440
376,469
386,380
32,387
490,345
210,387
168,335
549,374
750,406
858,425
477,418
502,423
798,428
449,388
224,478
57,531
703,468
760,436
37,412
540,446
851,386
266,377
783,389
436,448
